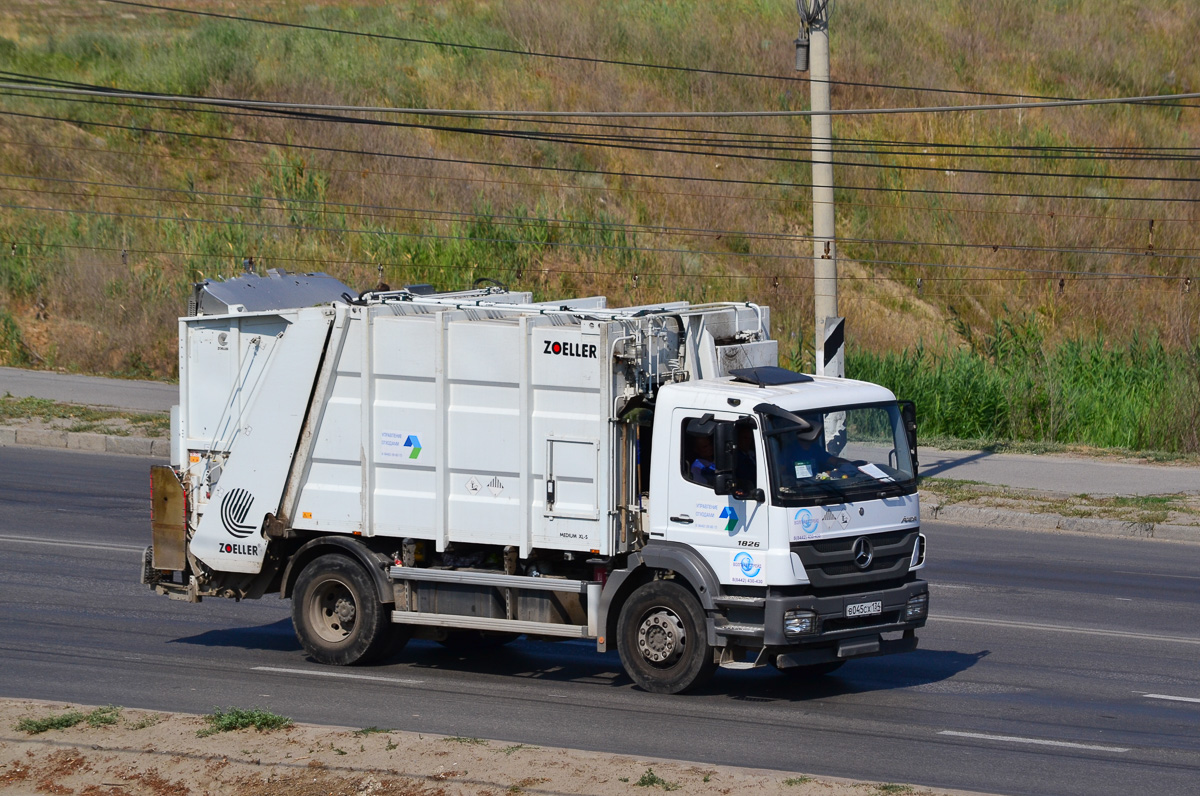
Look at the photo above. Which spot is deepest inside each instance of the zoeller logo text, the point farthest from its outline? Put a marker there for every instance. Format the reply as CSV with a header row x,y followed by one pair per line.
x,y
570,349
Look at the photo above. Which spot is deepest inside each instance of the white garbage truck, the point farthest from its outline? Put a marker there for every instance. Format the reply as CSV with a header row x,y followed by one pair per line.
x,y
475,466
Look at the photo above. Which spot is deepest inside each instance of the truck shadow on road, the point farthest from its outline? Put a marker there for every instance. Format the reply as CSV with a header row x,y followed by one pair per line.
x,y
923,670
277,636
578,662
938,467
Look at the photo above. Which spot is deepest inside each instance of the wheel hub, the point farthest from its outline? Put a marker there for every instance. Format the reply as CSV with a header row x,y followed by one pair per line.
x,y
661,637
345,611
332,611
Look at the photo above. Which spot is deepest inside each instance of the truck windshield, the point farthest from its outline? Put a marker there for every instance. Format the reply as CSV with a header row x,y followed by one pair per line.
x,y
848,453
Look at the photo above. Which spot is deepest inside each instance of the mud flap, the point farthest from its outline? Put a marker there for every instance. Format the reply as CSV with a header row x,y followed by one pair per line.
x,y
168,519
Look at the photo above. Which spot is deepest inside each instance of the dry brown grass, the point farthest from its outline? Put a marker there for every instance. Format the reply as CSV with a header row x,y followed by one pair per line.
x,y
109,315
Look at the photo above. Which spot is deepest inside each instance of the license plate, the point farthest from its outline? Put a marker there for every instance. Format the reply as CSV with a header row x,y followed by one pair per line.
x,y
864,609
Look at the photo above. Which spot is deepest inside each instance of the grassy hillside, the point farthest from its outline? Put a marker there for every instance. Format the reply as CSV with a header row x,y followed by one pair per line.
x,y
103,227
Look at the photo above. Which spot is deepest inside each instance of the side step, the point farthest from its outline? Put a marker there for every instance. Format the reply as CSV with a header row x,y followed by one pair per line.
x,y
500,581
485,623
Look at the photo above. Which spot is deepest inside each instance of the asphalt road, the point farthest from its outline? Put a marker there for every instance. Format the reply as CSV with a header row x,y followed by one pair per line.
x,y
1070,475
1053,664
134,396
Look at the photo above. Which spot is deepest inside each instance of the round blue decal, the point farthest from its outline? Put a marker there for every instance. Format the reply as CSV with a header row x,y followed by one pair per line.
x,y
746,562
805,519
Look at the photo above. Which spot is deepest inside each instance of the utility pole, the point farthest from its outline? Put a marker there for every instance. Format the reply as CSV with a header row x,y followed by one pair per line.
x,y
812,55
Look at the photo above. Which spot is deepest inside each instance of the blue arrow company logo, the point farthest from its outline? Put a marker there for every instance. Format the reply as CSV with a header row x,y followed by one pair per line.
x,y
746,563
806,521
415,444
728,513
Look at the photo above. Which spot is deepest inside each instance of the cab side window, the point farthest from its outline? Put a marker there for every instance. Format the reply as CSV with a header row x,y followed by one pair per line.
x,y
697,459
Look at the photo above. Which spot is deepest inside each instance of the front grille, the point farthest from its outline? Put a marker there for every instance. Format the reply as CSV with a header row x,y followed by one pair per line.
x,y
844,543
830,562
850,568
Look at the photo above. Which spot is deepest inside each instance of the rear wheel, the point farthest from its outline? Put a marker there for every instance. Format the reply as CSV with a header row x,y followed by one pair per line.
x,y
338,616
662,639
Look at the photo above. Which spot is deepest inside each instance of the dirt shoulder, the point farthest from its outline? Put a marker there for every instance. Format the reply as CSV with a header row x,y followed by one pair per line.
x,y
1181,510
120,752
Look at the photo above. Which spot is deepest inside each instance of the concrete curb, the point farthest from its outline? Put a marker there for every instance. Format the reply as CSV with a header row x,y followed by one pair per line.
x,y
82,441
1005,518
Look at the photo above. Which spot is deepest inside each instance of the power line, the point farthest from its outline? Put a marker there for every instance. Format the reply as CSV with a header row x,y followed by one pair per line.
x,y
1051,214
496,113
325,206
577,58
722,136
565,244
604,172
733,146
556,56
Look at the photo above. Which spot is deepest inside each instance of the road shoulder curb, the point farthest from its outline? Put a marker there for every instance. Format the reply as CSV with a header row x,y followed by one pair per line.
x,y
85,441
1016,520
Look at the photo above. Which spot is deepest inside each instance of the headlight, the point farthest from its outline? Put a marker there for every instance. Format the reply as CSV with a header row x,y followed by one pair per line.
x,y
799,623
917,607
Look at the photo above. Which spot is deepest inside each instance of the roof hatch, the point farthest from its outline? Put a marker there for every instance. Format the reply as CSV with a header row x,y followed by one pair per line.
x,y
768,376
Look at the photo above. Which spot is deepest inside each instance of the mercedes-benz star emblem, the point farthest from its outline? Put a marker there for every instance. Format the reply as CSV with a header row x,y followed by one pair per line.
x,y
863,553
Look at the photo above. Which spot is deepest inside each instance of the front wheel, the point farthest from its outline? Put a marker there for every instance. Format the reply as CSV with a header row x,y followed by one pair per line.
x,y
662,639
338,616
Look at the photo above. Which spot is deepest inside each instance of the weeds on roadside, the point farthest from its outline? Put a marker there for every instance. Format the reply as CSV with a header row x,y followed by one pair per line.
x,y
100,717
652,780
149,720
83,418
241,719
365,731
508,750
1125,508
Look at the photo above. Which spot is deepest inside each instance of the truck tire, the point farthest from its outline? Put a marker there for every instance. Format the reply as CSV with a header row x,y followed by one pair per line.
x,y
337,614
662,639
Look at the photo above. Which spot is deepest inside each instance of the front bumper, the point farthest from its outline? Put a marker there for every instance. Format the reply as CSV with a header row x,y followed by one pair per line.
x,y
859,647
837,636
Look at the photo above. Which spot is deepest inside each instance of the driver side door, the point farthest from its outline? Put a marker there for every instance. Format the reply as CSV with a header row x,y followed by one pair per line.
x,y
729,530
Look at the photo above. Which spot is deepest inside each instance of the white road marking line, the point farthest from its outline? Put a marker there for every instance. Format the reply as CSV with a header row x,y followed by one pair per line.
x,y
345,675
1083,631
1171,698
1036,741
85,545
1156,574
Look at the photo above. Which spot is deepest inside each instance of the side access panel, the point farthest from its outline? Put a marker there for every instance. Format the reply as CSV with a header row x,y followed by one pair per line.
x,y
443,424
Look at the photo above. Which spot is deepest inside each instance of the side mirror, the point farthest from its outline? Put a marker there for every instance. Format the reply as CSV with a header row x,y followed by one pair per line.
x,y
725,445
757,495
908,413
